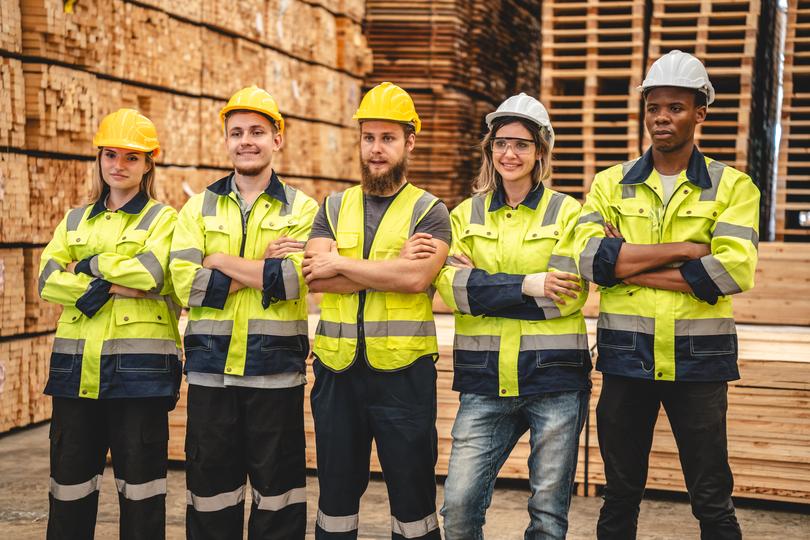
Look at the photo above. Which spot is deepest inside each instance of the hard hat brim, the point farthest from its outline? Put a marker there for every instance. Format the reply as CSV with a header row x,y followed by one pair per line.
x,y
278,120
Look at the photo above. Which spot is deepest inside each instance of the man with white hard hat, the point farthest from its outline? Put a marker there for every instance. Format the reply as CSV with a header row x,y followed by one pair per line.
x,y
669,237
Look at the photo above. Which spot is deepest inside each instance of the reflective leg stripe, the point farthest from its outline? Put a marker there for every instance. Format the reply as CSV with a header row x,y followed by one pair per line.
x,y
277,502
290,277
337,524
217,502
74,492
139,492
415,529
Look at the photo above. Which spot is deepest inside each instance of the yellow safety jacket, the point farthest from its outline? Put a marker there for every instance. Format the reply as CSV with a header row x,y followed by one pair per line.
x,y
396,328
659,334
508,344
249,332
110,346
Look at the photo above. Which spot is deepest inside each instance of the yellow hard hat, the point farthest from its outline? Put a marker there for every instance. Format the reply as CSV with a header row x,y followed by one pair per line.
x,y
388,101
127,128
255,99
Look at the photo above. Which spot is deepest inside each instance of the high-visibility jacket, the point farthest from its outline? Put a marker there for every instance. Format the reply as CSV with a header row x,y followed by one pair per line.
x,y
667,335
397,328
249,332
110,346
508,344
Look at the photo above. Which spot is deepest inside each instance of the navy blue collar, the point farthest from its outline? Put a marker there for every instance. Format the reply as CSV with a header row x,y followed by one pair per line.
x,y
696,171
274,189
133,206
531,201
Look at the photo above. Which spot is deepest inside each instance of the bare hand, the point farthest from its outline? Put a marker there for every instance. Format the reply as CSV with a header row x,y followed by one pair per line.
x,y
212,260
321,264
71,267
559,284
459,260
612,231
699,250
127,291
282,246
418,246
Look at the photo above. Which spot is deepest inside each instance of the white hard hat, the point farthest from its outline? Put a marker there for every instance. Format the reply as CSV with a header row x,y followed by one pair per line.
x,y
525,106
679,69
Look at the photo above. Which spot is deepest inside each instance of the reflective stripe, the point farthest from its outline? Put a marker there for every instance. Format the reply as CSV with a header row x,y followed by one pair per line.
x,y
550,309
277,328
217,502
715,169
209,327
415,529
74,218
627,165
560,342
153,266
274,503
718,273
587,256
553,209
74,492
289,276
737,231
379,329
199,286
289,194
149,217
337,524
68,346
705,327
423,204
626,323
566,264
476,343
192,255
209,205
628,191
139,492
460,280
333,211
50,267
478,212
94,267
138,346
336,330
593,217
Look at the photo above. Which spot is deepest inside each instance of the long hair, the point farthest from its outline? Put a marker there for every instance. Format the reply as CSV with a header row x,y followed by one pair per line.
x,y
489,179
98,185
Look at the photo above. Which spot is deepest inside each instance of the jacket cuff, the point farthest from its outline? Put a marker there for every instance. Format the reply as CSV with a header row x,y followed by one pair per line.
x,y
94,298
487,293
695,274
604,262
217,292
272,282
84,267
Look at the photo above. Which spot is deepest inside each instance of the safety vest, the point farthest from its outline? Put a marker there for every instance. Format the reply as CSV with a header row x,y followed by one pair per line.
x,y
659,334
507,344
397,328
110,346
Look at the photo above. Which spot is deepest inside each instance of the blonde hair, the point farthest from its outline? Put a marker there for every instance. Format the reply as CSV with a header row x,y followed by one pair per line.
x,y
98,184
489,179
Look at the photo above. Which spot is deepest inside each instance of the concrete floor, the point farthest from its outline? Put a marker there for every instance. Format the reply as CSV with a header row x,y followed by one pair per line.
x,y
24,505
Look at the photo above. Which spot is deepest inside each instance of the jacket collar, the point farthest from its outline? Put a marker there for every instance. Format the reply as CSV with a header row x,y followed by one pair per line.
x,y
274,189
133,206
531,201
696,171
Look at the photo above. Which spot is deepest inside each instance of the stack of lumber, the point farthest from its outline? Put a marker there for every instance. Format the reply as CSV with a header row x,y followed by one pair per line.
x,y
23,373
793,178
592,63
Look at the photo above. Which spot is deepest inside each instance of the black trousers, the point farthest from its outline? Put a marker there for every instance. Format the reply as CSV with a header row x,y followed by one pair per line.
x,y
136,432
626,415
397,410
237,433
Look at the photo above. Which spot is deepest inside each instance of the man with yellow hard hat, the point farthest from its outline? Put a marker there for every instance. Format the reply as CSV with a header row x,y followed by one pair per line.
x,y
374,251
236,261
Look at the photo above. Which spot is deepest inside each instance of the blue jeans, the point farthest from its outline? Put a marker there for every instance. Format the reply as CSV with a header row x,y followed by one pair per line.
x,y
485,431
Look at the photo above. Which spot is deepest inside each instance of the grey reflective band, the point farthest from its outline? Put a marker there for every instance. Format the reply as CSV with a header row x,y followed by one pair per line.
x,y
192,255
559,342
94,267
289,275
74,218
138,346
274,503
476,343
460,280
74,492
719,275
139,492
626,323
68,346
736,231
716,170
209,205
628,191
424,203
337,524
289,194
565,264
415,529
209,327
381,329
593,217
217,502
336,330
553,209
549,308
50,267
704,327
153,266
587,256
478,212
149,217
277,328
627,165
333,211
199,286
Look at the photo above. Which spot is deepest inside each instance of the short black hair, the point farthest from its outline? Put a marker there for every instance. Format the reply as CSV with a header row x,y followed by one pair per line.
x,y
701,99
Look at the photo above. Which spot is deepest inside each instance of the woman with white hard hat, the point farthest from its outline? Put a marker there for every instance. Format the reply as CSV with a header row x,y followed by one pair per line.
x,y
521,358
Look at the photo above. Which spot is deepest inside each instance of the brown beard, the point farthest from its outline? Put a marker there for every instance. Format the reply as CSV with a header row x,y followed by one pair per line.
x,y
255,171
385,182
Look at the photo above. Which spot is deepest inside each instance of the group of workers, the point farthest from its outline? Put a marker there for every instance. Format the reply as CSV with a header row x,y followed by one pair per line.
x,y
667,237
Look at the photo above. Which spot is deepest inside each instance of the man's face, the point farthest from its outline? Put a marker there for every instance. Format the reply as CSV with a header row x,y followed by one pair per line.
x,y
251,140
384,151
670,116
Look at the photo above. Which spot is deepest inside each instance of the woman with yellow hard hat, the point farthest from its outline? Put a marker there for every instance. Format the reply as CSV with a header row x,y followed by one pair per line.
x,y
115,368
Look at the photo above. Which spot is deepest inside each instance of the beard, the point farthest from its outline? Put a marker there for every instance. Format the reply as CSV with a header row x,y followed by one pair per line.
x,y
378,184
255,170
